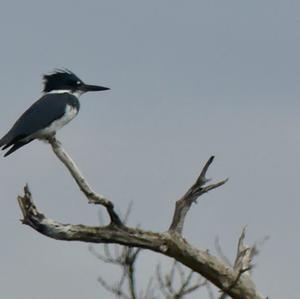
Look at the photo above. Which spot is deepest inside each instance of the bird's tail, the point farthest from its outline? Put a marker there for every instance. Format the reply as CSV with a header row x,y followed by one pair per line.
x,y
3,141
6,142
14,147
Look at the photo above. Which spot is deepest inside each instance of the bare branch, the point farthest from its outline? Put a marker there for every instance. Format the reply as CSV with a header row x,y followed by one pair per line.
x,y
184,203
106,258
167,282
92,196
130,272
244,255
180,271
126,260
116,290
243,260
169,243
160,280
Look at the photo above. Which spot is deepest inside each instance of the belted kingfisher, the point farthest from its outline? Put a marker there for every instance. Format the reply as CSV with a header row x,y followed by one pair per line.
x,y
52,111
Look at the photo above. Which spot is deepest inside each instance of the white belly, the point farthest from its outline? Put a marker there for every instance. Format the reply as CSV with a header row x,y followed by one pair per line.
x,y
70,113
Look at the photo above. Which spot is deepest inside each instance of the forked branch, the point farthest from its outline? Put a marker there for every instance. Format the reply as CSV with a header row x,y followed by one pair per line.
x,y
170,243
184,203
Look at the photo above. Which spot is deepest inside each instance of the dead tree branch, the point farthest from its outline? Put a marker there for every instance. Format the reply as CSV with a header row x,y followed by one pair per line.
x,y
170,243
183,204
92,196
186,286
175,284
243,260
125,259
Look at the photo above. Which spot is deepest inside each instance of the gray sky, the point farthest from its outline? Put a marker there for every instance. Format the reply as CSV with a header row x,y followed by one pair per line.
x,y
189,79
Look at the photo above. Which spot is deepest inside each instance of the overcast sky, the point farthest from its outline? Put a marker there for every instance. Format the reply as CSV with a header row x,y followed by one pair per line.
x,y
188,79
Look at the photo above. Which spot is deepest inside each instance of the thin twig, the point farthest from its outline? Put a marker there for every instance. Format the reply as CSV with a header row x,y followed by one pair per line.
x,y
125,259
186,285
113,289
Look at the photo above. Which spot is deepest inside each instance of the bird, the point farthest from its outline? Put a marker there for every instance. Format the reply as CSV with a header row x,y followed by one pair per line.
x,y
56,107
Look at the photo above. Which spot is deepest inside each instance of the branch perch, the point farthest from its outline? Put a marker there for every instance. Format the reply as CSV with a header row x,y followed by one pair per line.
x,y
170,243
92,196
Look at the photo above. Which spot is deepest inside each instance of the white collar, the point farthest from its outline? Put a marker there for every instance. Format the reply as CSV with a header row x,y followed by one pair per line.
x,y
77,93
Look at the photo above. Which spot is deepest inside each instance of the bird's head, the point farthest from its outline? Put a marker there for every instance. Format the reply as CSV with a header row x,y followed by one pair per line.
x,y
66,81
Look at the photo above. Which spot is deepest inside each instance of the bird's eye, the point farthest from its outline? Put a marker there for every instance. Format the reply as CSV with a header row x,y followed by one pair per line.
x,y
78,82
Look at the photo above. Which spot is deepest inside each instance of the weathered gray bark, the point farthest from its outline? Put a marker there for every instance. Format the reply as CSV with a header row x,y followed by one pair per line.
x,y
234,281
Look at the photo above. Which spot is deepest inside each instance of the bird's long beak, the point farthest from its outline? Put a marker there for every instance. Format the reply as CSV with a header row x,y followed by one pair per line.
x,y
87,87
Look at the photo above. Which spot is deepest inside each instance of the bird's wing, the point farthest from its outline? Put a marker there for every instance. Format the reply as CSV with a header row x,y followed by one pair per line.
x,y
43,112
